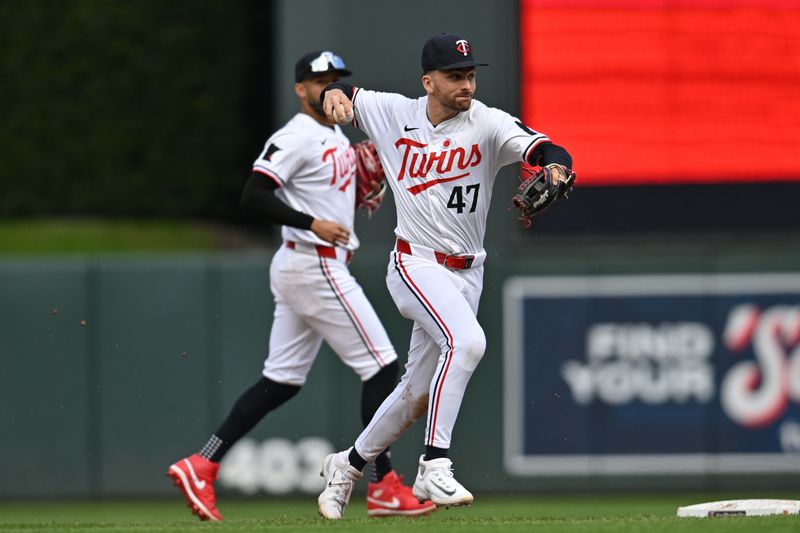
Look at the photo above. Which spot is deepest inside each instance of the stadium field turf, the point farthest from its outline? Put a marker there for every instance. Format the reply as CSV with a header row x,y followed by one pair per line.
x,y
618,513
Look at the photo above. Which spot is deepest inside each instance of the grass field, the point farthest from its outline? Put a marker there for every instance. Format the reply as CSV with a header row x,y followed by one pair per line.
x,y
519,513
87,235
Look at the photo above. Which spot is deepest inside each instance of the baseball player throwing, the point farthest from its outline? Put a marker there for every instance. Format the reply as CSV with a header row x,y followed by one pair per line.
x,y
305,180
441,153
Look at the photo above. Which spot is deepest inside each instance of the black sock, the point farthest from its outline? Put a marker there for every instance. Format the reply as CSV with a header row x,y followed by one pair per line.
x,y
381,466
373,392
376,389
432,452
356,460
248,410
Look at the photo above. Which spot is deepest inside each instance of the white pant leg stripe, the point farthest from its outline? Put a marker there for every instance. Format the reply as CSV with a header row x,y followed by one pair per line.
x,y
351,314
433,410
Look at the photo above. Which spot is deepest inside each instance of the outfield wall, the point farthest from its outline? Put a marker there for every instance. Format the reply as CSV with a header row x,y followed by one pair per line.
x,y
169,342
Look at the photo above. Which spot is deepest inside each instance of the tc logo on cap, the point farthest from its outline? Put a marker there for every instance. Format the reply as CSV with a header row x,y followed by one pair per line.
x,y
447,51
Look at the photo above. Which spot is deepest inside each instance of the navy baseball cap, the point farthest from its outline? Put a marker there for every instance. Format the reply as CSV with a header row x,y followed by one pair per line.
x,y
448,51
319,62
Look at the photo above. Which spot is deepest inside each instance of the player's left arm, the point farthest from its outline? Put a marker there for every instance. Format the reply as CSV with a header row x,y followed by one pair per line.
x,y
548,153
557,159
553,180
517,142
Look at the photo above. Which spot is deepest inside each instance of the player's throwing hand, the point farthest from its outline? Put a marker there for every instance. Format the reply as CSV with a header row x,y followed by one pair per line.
x,y
338,108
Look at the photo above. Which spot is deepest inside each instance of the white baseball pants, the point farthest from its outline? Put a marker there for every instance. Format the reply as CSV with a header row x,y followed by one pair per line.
x,y
447,343
316,299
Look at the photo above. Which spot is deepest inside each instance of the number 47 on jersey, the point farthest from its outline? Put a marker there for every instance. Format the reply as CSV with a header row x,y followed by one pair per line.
x,y
463,195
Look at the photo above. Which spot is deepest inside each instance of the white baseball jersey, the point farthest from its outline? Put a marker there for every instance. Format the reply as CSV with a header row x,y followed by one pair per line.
x,y
442,179
316,297
314,166
442,176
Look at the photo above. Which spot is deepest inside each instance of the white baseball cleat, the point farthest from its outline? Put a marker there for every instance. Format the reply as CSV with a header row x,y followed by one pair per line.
x,y
340,477
435,482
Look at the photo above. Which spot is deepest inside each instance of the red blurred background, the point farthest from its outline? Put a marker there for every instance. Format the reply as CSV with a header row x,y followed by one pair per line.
x,y
666,92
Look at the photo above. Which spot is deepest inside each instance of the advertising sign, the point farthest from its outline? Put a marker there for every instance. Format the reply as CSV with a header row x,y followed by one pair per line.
x,y
685,374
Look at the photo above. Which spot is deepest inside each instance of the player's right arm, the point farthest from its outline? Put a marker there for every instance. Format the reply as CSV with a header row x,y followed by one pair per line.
x,y
258,198
282,158
372,112
337,103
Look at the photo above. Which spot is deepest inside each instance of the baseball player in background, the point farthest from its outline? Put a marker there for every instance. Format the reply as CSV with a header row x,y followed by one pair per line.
x,y
305,180
441,153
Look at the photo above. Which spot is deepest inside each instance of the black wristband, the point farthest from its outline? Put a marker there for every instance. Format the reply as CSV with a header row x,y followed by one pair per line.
x,y
547,153
346,88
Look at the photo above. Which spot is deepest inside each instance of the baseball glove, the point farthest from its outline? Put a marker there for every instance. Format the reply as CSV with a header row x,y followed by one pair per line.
x,y
539,189
370,177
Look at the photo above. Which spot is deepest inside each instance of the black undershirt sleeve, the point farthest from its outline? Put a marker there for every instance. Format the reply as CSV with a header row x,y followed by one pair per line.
x,y
346,88
547,153
258,198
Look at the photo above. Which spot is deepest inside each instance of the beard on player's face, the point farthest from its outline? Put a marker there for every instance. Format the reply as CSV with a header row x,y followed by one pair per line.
x,y
313,88
456,102
315,106
454,89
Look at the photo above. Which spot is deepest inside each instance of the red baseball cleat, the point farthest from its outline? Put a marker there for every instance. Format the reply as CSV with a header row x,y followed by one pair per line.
x,y
195,477
389,497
